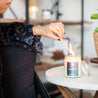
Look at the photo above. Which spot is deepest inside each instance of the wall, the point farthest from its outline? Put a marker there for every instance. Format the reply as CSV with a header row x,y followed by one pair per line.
x,y
18,7
71,10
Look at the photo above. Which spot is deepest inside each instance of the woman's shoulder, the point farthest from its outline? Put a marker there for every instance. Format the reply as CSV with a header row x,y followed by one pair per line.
x,y
16,26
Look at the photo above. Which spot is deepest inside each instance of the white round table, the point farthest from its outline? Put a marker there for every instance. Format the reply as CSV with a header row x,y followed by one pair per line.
x,y
56,76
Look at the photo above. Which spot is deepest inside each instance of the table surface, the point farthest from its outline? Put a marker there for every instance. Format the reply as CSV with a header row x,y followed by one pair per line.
x,y
56,76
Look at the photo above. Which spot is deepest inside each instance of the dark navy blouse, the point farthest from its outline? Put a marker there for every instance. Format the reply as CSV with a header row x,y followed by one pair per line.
x,y
19,35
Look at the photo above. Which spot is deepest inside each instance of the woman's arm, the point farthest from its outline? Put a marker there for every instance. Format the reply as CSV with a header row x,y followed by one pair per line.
x,y
49,30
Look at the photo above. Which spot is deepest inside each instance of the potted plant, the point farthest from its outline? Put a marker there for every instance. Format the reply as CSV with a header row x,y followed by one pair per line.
x,y
95,16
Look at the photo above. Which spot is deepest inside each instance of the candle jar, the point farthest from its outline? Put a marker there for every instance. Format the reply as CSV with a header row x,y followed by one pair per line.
x,y
72,66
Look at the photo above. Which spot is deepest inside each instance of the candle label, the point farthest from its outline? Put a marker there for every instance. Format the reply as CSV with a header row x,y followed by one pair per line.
x,y
72,68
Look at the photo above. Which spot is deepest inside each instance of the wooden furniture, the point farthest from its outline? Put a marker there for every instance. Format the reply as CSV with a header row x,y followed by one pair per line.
x,y
66,92
45,67
94,60
96,94
42,21
46,21
72,93
2,20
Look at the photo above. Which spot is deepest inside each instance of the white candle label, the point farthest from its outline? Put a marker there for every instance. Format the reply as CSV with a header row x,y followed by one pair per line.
x,y
72,68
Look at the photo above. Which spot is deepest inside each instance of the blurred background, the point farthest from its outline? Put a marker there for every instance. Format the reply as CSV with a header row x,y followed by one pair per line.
x,y
67,10
79,28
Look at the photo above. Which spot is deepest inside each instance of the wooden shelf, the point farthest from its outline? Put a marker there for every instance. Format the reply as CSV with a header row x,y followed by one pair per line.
x,y
45,21
2,20
42,21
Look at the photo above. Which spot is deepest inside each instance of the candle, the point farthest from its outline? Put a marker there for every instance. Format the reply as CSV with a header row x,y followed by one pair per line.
x,y
72,66
33,11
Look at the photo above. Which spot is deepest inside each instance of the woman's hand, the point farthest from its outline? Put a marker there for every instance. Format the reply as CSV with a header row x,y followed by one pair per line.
x,y
52,30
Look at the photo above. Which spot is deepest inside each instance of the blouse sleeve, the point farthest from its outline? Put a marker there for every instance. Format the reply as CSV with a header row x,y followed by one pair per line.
x,y
20,32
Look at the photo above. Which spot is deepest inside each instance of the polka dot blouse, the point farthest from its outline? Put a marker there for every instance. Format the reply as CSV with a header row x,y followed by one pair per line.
x,y
19,35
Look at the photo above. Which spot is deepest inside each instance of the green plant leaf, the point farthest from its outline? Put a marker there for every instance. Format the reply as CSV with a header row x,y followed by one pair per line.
x,y
94,16
96,29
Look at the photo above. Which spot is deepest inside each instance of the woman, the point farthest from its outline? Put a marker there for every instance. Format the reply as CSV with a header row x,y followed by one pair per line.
x,y
19,44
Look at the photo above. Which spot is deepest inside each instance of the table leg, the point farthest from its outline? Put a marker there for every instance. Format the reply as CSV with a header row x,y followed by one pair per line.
x,y
81,93
66,92
96,94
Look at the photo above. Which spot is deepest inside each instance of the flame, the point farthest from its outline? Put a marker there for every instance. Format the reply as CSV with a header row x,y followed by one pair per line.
x,y
71,50
34,8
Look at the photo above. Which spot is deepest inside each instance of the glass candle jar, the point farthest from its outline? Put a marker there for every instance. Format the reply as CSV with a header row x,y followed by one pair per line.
x,y
72,66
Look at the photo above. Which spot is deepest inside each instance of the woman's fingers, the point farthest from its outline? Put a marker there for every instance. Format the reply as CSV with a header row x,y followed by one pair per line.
x,y
54,36
59,23
58,28
49,30
62,27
